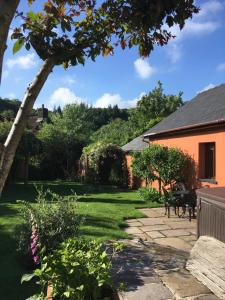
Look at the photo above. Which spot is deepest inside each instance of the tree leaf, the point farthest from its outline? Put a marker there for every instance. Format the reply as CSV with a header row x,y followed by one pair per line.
x,y
18,45
34,297
27,46
27,277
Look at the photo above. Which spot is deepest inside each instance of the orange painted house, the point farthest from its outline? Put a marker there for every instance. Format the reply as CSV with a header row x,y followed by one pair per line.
x,y
137,144
197,128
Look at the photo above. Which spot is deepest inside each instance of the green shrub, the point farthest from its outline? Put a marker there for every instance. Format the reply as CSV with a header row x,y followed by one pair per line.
x,y
54,218
164,164
149,194
77,270
105,163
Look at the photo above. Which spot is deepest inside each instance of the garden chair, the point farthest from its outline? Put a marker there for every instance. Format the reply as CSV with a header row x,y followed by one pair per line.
x,y
179,197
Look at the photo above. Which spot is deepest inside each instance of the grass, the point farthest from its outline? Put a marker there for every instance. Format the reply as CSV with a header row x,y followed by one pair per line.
x,y
105,209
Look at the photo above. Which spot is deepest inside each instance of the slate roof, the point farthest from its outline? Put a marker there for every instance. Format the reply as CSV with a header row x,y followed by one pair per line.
x,y
206,107
136,144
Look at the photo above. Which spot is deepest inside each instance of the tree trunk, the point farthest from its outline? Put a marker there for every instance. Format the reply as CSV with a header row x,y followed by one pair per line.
x,y
160,186
7,11
20,121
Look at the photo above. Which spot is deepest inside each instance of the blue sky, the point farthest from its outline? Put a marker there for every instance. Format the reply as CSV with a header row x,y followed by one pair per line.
x,y
192,62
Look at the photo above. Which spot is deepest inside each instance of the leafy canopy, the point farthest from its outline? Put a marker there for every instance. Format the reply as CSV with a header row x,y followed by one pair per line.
x,y
167,165
152,107
71,30
117,132
150,110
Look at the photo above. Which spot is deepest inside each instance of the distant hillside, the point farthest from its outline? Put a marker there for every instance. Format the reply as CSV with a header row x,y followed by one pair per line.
x,y
9,107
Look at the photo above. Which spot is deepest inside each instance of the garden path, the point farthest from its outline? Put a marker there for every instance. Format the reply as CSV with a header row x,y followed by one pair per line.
x,y
152,267
176,232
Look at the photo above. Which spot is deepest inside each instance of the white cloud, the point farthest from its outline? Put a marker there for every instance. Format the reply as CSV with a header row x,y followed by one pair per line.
x,y
210,7
10,96
63,96
108,99
133,102
115,99
200,28
205,22
143,68
221,67
206,88
24,62
174,52
68,80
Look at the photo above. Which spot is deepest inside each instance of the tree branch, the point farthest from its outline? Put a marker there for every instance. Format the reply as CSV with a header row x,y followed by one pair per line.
x,y
7,11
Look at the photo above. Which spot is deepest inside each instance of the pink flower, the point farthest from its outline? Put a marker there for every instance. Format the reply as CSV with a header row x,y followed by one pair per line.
x,y
34,240
36,259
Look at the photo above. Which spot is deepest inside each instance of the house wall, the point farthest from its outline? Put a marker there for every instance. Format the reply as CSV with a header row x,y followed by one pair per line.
x,y
190,144
133,181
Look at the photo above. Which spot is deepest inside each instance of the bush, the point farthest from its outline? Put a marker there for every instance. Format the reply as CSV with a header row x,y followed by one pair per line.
x,y
164,164
78,270
50,221
149,194
104,163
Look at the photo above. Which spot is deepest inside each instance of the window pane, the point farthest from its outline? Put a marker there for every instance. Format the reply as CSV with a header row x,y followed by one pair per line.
x,y
210,160
207,160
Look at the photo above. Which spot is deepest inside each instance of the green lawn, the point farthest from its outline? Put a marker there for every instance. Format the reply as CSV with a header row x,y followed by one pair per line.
x,y
104,208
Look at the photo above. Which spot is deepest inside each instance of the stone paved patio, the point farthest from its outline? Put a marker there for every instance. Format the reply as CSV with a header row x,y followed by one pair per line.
x,y
175,232
152,266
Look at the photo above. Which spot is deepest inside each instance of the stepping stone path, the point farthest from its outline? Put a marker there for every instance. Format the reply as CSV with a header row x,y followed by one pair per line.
x,y
152,266
175,232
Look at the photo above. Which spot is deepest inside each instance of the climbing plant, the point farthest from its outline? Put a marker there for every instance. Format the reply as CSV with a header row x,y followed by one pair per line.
x,y
104,163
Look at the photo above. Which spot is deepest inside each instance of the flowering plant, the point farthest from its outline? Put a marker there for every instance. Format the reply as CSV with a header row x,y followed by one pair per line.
x,y
48,222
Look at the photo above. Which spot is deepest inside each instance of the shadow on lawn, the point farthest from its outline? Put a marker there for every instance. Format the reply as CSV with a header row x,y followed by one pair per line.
x,y
111,200
12,268
99,222
102,227
27,192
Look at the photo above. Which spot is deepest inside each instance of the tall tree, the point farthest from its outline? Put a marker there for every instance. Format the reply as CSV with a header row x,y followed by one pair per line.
x,y
154,106
117,132
69,31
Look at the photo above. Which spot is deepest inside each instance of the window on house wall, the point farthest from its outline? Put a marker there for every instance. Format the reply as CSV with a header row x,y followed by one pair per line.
x,y
207,160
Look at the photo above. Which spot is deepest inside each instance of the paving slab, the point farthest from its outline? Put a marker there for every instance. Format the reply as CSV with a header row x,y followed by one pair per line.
x,y
155,234
151,291
133,230
182,284
154,227
143,236
131,220
134,224
151,221
174,242
193,231
151,213
189,238
206,297
161,210
175,232
153,265
182,225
